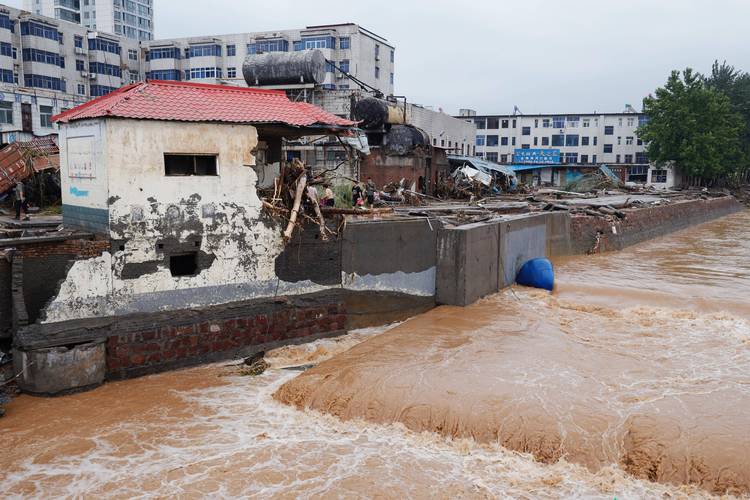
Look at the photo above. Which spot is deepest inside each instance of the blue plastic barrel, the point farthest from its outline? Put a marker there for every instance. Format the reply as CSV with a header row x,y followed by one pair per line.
x,y
537,273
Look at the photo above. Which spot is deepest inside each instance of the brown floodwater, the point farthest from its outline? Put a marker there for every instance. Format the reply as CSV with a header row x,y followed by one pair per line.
x,y
631,381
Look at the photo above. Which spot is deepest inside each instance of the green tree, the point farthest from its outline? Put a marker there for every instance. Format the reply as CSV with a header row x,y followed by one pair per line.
x,y
693,126
735,85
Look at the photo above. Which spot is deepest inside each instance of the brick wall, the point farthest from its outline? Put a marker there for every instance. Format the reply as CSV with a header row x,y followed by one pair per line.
x,y
646,223
6,301
167,346
78,248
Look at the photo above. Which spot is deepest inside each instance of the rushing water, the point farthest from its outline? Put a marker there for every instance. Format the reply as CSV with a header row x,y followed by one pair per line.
x,y
638,365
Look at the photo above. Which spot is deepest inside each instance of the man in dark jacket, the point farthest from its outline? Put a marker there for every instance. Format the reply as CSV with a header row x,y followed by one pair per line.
x,y
20,202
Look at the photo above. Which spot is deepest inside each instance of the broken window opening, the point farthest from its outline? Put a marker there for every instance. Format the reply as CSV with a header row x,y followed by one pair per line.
x,y
184,264
179,165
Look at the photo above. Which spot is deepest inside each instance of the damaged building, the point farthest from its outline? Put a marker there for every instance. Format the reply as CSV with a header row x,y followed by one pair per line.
x,y
161,212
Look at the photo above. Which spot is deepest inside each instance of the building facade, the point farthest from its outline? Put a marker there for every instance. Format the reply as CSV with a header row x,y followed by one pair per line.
x,y
218,59
47,66
132,19
566,143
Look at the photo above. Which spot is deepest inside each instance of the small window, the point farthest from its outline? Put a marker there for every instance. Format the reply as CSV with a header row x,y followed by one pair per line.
x,y
45,116
6,112
184,264
608,148
659,176
609,130
231,50
185,164
525,130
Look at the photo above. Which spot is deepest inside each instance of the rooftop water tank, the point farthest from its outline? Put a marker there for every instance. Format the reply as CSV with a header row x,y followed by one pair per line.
x,y
375,113
284,68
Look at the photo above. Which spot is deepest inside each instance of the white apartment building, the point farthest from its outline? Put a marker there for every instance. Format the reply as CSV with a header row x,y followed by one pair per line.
x,y
555,148
218,59
47,66
132,19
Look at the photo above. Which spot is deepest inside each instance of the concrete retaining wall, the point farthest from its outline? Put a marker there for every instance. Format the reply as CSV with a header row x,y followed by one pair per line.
x,y
643,224
390,255
467,263
479,259
476,260
139,344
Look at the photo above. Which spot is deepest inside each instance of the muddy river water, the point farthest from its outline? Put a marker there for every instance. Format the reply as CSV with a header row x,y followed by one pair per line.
x,y
631,381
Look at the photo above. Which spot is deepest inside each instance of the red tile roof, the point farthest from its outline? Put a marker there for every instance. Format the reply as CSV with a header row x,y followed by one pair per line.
x,y
198,102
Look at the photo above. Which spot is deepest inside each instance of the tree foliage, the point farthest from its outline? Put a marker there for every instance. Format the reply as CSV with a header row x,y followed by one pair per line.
x,y
735,85
694,125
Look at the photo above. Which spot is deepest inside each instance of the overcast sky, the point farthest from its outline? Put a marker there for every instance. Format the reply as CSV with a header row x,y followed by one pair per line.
x,y
489,55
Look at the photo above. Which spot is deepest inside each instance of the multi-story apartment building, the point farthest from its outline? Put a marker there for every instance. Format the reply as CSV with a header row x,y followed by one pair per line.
x,y
47,65
556,147
218,59
130,18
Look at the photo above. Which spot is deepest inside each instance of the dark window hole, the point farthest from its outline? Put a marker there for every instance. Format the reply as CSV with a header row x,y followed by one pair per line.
x,y
184,264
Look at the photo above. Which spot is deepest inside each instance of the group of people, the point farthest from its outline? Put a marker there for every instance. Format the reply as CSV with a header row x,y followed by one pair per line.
x,y
328,199
360,196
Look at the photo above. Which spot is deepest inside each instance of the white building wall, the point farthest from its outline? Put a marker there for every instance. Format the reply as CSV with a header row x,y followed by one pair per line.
x,y
446,131
361,54
602,138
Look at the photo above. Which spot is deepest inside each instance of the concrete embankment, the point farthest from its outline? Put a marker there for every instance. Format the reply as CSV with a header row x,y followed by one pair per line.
x,y
476,260
377,272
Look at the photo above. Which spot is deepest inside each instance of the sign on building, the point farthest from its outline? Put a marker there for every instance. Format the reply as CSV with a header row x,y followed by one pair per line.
x,y
537,156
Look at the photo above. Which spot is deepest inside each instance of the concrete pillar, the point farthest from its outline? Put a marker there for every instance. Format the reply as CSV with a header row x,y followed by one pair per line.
x,y
60,370
467,263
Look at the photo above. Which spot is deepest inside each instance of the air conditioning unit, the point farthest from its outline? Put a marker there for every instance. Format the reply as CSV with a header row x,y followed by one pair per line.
x,y
92,76
84,74
80,51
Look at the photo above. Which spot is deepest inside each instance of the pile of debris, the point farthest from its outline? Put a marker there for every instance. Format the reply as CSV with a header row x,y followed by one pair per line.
x,y
36,163
600,180
294,199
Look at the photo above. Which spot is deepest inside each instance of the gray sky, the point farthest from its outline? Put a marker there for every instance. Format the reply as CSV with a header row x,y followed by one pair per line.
x,y
489,55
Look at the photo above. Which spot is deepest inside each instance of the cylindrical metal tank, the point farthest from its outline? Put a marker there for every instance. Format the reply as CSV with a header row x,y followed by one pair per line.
x,y
284,68
375,113
402,139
